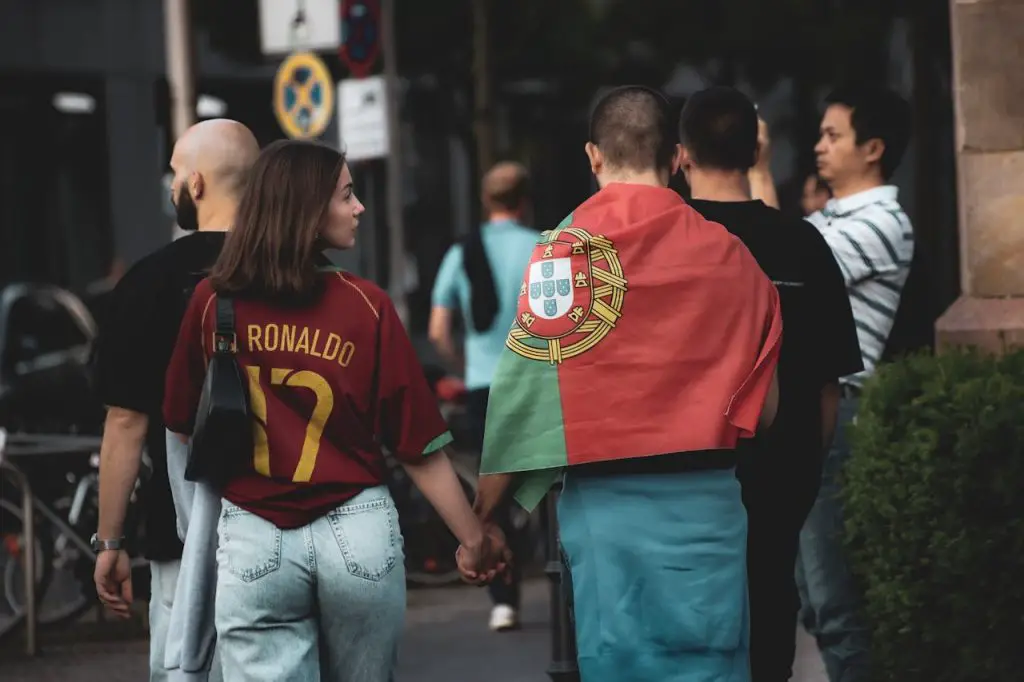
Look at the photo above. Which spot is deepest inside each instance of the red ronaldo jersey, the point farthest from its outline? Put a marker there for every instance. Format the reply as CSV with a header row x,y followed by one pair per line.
x,y
329,386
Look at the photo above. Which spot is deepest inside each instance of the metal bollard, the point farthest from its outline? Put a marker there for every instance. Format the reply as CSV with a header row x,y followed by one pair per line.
x,y
563,666
28,555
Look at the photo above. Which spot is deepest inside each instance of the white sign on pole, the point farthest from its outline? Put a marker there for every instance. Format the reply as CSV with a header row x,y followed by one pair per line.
x,y
281,32
362,118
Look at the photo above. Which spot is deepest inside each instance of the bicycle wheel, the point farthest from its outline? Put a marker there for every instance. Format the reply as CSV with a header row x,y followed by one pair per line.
x,y
12,575
71,591
429,545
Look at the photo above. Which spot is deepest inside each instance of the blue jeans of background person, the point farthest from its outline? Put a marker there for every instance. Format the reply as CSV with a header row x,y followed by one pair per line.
x,y
163,578
828,590
321,602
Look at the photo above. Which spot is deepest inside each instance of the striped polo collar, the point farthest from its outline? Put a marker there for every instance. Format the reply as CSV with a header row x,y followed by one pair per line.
x,y
847,205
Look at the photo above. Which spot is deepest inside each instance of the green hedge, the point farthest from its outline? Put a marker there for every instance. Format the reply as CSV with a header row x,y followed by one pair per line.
x,y
934,499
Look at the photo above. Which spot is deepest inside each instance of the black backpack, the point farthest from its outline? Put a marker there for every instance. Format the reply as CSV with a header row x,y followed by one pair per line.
x,y
483,293
222,440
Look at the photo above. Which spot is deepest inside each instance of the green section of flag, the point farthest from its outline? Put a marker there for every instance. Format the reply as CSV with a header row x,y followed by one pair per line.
x,y
524,433
524,418
524,430
532,486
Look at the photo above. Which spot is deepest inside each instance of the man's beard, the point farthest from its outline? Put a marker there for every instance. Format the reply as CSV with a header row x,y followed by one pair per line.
x,y
185,211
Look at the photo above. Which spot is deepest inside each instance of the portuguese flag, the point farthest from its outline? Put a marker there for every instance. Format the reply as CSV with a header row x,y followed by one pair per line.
x,y
642,329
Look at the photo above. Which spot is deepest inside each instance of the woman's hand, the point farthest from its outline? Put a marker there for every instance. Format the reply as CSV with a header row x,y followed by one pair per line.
x,y
483,551
480,564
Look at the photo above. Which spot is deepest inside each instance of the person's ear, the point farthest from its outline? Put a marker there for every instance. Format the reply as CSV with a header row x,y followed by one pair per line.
x,y
873,150
596,158
681,161
196,186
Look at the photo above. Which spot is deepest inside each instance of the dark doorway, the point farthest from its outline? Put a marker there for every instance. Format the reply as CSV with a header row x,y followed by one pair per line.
x,y
54,185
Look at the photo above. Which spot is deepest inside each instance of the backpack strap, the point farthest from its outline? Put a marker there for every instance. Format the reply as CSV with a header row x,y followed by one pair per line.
x,y
224,339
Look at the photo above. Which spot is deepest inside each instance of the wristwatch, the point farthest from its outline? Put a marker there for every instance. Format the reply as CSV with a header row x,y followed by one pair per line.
x,y
103,545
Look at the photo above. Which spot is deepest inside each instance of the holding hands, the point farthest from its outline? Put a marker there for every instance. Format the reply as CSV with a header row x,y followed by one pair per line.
x,y
479,563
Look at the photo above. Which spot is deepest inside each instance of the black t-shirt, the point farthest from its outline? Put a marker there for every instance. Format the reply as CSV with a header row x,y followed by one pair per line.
x,y
819,339
136,339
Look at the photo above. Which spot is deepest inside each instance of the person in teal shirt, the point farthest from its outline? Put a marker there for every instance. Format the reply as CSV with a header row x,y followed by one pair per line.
x,y
479,279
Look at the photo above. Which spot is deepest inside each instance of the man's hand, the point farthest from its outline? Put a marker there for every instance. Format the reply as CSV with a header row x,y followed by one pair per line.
x,y
762,185
479,565
764,145
439,331
113,577
491,491
124,437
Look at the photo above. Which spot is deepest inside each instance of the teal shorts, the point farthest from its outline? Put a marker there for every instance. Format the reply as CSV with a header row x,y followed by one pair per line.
x,y
658,568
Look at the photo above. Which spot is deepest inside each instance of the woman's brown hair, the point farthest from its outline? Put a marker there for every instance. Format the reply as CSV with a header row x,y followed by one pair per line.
x,y
273,249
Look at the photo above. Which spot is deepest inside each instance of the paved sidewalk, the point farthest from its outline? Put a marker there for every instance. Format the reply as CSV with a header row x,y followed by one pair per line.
x,y
808,666
446,640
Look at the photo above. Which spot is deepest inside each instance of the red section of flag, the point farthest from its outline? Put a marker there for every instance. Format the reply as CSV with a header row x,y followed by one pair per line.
x,y
677,349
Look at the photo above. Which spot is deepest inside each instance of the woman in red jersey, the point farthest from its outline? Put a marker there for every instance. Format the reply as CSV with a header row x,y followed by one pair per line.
x,y
310,576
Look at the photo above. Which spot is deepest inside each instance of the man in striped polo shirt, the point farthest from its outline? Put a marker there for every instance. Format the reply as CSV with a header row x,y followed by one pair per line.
x,y
864,133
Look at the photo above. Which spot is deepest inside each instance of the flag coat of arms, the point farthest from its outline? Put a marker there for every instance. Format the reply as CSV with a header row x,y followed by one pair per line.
x,y
642,329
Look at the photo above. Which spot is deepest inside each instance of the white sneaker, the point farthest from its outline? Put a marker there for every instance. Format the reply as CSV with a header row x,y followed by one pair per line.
x,y
503,617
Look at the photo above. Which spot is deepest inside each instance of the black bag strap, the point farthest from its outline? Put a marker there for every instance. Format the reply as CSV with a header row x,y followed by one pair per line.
x,y
224,339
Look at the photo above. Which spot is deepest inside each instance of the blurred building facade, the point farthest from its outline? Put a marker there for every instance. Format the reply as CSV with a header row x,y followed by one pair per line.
x,y
85,139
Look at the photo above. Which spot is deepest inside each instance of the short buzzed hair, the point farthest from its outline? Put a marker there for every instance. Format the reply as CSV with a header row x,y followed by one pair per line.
x,y
631,126
718,127
506,186
235,176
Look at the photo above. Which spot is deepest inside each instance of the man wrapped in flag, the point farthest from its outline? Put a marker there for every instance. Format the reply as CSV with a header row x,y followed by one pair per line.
x,y
644,347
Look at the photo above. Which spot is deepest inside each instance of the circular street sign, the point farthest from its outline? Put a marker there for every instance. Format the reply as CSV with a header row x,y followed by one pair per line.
x,y
360,35
303,96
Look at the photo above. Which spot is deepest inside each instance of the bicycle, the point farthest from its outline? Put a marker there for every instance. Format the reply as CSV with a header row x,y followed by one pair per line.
x,y
66,513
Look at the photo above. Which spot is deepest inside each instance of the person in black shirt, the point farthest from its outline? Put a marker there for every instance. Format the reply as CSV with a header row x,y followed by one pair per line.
x,y
780,469
210,164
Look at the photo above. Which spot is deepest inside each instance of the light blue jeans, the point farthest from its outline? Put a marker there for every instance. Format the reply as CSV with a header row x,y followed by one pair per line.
x,y
163,583
163,578
321,602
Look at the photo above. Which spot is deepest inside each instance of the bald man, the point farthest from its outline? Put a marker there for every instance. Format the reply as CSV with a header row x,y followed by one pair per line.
x,y
479,279
210,164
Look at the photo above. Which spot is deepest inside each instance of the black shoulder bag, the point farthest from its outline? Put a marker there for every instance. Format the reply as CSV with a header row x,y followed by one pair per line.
x,y
222,441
